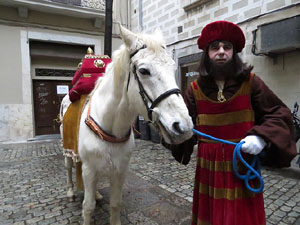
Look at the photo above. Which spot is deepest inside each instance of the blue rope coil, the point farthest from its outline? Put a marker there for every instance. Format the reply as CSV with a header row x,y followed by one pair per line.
x,y
251,172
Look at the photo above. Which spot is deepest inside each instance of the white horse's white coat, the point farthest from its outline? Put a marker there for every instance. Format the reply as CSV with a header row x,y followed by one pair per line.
x,y
115,108
65,103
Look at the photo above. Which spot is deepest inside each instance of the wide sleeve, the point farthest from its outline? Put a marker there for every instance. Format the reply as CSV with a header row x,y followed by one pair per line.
x,y
273,122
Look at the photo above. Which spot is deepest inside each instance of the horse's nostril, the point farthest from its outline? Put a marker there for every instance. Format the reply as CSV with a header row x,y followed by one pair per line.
x,y
177,128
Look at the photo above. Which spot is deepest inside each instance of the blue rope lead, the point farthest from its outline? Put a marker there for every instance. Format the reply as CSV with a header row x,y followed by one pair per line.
x,y
251,172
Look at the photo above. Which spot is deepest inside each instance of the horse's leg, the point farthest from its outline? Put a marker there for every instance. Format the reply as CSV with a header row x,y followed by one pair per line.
x,y
69,165
98,196
88,205
116,185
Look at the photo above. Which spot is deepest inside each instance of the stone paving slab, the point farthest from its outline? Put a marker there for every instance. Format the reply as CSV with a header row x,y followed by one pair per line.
x,y
157,191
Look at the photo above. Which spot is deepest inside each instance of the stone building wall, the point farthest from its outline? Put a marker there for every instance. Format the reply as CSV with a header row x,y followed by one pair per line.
x,y
181,22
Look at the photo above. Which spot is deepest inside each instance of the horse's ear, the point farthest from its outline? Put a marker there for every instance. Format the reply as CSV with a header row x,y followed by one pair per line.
x,y
127,36
158,34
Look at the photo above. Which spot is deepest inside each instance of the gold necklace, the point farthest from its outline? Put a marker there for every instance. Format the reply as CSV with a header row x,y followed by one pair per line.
x,y
220,96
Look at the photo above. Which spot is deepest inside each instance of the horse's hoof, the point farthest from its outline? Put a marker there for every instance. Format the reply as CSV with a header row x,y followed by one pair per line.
x,y
70,193
98,196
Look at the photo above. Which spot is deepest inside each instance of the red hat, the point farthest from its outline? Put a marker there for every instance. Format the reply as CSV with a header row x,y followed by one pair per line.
x,y
222,30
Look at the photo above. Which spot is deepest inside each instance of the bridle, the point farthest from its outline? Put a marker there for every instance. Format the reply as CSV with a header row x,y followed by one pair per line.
x,y
145,97
95,127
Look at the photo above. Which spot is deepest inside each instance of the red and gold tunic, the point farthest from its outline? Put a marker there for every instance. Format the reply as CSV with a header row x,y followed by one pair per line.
x,y
220,198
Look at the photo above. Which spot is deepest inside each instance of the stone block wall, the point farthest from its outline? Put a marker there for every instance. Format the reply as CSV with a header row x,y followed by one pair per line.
x,y
181,22
15,122
168,15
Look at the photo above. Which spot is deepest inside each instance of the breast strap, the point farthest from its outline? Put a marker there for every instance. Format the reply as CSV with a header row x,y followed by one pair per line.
x,y
96,128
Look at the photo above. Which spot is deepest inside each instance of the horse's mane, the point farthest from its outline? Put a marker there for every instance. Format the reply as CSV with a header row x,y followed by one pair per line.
x,y
98,82
121,57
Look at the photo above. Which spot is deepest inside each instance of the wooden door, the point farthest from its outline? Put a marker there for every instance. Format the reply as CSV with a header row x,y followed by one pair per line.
x,y
47,95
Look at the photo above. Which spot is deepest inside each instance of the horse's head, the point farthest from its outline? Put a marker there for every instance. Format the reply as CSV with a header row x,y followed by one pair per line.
x,y
151,86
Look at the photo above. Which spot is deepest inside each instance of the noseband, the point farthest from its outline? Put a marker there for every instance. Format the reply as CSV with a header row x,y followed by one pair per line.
x,y
145,97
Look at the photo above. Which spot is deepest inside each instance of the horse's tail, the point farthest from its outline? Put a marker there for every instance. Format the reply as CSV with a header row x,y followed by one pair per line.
x,y
60,113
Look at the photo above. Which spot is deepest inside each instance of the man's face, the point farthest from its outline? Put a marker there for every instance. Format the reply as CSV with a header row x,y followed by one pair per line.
x,y
220,52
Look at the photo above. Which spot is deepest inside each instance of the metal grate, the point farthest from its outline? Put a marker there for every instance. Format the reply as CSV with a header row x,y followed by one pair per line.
x,y
69,2
40,72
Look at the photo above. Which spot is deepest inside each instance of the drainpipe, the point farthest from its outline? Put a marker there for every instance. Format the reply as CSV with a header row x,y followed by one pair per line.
x,y
140,15
108,27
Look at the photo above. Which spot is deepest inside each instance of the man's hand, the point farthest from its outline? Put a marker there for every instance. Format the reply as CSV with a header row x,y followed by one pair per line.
x,y
253,144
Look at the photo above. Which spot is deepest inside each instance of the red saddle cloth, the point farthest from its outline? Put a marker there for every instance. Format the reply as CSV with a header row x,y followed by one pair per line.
x,y
88,71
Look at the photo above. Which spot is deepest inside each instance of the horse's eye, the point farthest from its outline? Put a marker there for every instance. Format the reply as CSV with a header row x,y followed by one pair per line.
x,y
144,71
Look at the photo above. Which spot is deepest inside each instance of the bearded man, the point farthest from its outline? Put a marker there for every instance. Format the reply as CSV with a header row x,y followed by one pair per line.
x,y
230,102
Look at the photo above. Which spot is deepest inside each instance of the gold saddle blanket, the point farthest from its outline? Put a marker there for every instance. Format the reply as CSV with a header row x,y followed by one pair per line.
x,y
71,123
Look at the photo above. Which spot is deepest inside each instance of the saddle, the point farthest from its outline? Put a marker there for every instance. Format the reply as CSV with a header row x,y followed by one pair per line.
x,y
88,71
71,123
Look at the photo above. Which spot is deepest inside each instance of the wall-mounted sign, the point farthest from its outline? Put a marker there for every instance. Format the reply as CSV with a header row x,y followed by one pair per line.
x,y
62,89
191,74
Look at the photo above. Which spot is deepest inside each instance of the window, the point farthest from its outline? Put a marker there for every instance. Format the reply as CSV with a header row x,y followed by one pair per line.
x,y
188,70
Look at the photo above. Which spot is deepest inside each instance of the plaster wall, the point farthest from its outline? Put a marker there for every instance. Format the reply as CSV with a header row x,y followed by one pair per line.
x,y
10,64
15,113
16,100
44,22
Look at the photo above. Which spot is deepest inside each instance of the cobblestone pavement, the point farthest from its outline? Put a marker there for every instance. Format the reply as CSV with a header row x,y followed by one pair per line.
x,y
158,190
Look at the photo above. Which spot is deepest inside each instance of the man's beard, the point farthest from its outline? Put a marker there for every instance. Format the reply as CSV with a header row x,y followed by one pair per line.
x,y
221,70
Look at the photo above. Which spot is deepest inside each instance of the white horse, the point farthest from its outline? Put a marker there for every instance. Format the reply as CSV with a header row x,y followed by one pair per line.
x,y
69,164
70,159
140,80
